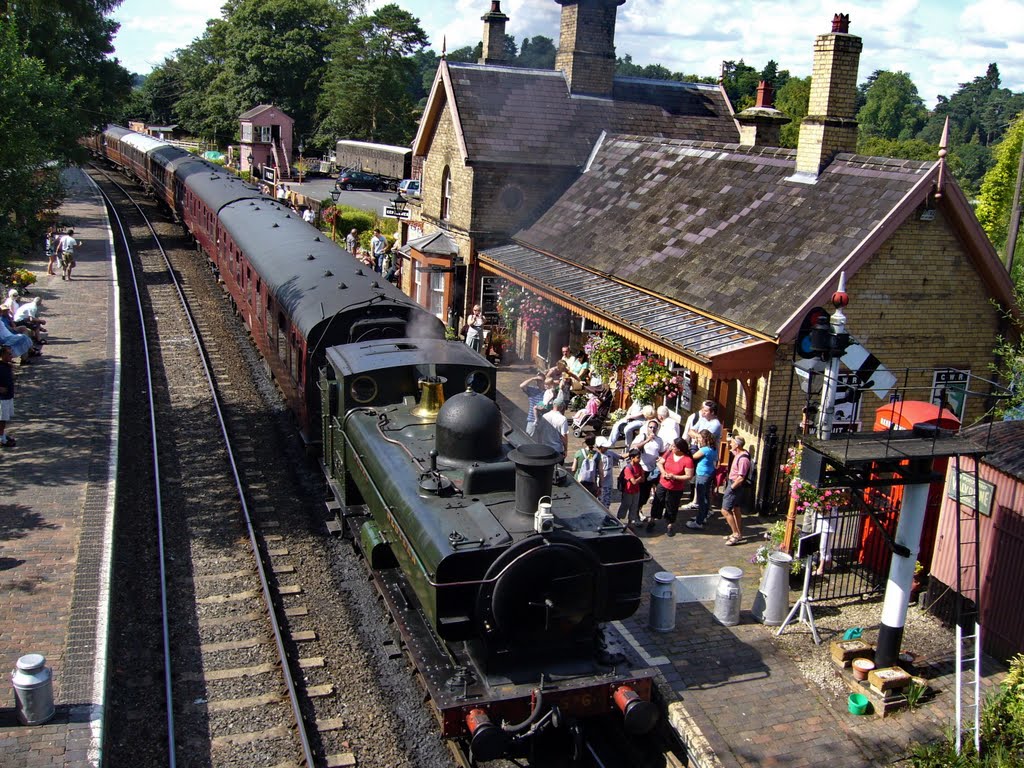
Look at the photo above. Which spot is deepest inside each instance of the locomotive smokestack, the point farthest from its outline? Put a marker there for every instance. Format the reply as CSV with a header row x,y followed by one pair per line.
x,y
535,471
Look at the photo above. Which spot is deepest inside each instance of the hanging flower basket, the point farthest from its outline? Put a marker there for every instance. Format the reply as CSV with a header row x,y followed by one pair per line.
x,y
607,353
810,500
510,301
648,379
538,313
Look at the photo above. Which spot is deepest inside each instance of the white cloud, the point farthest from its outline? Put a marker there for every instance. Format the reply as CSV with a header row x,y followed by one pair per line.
x,y
940,43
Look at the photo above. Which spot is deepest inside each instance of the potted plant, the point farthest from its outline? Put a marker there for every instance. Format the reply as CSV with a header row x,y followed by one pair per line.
x,y
919,582
774,536
22,279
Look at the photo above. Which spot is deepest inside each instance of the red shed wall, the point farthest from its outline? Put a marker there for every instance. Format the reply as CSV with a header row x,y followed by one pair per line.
x,y
1001,547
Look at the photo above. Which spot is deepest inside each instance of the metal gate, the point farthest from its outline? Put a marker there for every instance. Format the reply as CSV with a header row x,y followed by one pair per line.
x,y
857,547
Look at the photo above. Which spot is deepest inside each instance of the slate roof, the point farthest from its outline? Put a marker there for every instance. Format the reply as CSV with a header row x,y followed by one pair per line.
x,y
435,244
720,228
259,110
710,341
528,116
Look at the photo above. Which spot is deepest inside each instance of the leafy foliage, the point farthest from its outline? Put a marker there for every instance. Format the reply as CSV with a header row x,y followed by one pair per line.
x,y
607,352
371,79
996,196
38,122
892,108
791,99
1002,732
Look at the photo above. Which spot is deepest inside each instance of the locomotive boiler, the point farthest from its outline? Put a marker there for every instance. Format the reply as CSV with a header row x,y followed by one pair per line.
x,y
502,570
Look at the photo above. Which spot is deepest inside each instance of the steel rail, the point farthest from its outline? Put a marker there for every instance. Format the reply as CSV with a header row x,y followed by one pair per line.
x,y
264,582
169,699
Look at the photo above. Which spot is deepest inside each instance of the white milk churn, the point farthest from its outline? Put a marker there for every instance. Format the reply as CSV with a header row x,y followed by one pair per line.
x,y
727,597
33,689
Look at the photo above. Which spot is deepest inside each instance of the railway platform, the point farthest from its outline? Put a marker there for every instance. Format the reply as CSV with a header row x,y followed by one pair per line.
x,y
57,498
737,697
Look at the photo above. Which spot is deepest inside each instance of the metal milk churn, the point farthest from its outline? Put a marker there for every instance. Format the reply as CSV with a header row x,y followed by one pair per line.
x,y
663,602
772,601
33,689
727,597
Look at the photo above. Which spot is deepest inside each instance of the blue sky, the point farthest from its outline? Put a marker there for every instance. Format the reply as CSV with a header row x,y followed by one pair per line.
x,y
941,43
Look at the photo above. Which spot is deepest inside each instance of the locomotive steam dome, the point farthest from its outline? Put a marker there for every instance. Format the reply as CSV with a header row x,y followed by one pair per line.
x,y
469,428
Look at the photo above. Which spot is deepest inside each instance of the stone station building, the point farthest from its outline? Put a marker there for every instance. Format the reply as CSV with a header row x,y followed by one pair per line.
x,y
651,210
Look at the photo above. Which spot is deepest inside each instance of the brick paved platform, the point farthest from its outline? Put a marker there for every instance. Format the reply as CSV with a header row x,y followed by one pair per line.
x,y
736,697
56,499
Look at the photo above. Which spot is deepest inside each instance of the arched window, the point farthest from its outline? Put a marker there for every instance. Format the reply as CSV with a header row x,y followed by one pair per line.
x,y
446,194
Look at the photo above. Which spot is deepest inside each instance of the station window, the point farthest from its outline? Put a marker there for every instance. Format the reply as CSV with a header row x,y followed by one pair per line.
x,y
437,284
446,194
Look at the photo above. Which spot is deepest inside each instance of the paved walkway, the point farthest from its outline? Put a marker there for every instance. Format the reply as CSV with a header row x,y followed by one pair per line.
x,y
56,499
739,699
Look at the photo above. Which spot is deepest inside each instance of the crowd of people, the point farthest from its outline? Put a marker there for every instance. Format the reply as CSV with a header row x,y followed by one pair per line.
x,y
22,330
663,459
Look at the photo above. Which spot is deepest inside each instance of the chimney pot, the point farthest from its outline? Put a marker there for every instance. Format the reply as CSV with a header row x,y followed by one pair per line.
x,y
765,94
841,23
495,6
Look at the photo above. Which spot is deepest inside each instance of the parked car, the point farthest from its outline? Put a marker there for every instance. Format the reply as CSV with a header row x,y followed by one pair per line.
x,y
409,187
360,180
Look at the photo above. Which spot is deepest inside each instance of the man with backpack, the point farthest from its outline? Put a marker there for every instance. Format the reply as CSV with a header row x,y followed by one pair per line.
x,y
737,489
588,466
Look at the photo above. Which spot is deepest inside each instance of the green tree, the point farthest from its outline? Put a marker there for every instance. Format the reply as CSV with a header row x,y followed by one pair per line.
x,y
371,78
467,54
792,99
537,53
906,149
277,53
892,108
38,120
740,81
426,62
73,39
996,197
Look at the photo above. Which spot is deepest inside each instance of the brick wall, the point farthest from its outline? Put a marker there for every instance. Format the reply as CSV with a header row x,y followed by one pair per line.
x,y
834,75
918,304
586,48
829,127
444,153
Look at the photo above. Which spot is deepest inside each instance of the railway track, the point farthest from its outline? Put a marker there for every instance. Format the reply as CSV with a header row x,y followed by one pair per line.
x,y
230,695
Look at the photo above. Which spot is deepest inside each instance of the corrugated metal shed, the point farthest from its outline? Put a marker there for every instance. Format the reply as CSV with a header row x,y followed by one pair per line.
x,y
1001,534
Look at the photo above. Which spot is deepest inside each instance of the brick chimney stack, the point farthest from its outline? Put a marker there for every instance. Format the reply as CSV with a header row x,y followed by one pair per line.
x,y
586,46
830,127
761,124
494,35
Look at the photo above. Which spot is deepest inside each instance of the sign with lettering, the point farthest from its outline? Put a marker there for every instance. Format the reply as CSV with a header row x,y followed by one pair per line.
x,y
390,212
986,491
949,389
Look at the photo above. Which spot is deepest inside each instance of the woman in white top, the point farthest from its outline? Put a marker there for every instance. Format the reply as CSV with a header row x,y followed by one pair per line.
x,y
475,328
